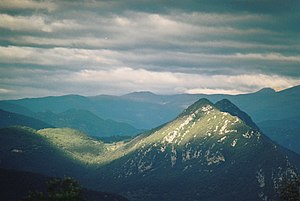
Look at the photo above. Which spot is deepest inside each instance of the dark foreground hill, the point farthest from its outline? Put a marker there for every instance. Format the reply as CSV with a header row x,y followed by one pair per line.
x,y
16,185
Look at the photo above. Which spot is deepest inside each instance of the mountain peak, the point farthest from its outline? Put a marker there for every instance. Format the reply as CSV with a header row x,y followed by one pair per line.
x,y
203,104
226,106
140,93
266,90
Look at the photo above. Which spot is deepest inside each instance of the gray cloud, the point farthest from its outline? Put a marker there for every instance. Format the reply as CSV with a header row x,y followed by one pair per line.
x,y
26,4
92,47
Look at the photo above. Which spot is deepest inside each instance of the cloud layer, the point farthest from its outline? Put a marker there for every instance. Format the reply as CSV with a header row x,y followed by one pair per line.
x,y
116,47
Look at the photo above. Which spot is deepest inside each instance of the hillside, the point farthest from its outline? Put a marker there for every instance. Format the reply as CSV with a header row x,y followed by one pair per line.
x,y
8,119
87,122
15,108
209,155
23,149
75,144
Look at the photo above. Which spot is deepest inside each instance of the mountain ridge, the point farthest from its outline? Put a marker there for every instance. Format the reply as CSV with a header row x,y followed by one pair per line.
x,y
225,105
88,122
203,154
196,143
163,108
147,113
8,119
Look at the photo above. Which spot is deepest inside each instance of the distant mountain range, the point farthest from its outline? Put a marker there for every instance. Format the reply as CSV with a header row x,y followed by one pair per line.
x,y
87,122
284,131
135,112
82,120
208,152
8,119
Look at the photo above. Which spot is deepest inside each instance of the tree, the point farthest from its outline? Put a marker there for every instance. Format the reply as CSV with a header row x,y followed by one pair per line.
x,y
290,190
66,189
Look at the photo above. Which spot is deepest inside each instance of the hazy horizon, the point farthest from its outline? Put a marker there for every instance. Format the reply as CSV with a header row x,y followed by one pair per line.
x,y
162,94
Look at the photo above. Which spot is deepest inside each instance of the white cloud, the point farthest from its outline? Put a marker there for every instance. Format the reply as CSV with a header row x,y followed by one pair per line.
x,y
35,23
6,91
213,18
108,43
27,4
128,79
174,61
124,80
55,56
214,91
87,51
267,56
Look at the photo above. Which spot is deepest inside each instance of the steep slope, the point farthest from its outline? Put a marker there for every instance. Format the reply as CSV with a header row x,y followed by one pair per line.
x,y
8,119
87,122
226,106
204,154
75,144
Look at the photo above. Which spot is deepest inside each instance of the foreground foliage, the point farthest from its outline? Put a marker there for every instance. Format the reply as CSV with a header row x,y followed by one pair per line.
x,y
290,190
66,189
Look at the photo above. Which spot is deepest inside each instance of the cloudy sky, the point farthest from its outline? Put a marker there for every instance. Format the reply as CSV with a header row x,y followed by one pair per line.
x,y
165,46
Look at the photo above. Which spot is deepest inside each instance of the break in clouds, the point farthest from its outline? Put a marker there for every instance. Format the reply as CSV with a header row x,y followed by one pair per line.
x,y
116,47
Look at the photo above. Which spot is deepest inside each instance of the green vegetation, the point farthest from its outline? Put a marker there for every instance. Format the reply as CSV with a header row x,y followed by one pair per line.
x,y
290,189
22,148
76,144
201,121
66,189
115,138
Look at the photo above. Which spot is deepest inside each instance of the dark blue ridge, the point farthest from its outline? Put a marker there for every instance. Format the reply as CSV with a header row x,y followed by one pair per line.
x,y
226,106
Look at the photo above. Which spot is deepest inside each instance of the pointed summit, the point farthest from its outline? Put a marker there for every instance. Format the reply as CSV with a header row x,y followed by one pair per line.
x,y
202,104
226,106
206,145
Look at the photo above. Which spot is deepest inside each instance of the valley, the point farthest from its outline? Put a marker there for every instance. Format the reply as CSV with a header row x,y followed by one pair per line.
x,y
207,148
